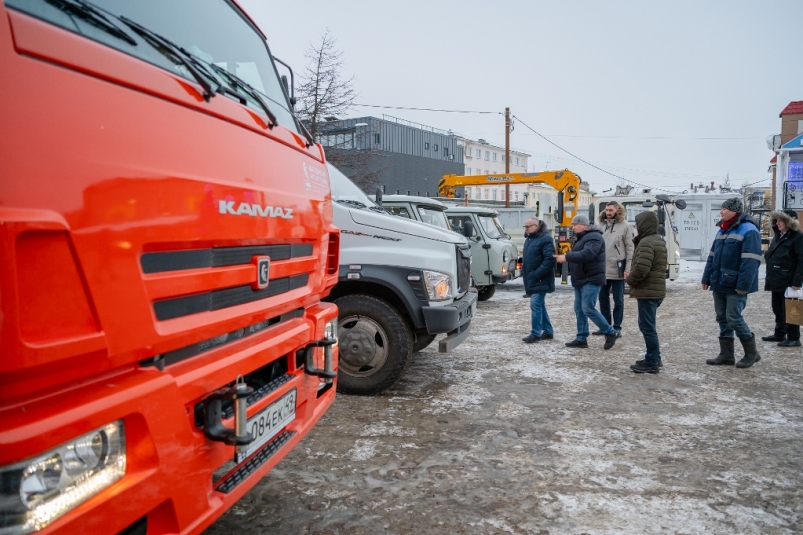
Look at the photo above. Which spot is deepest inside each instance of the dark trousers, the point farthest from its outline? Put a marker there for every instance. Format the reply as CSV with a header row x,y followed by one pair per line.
x,y
792,332
647,311
617,288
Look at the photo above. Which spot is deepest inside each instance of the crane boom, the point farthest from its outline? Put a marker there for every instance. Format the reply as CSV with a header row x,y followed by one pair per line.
x,y
566,182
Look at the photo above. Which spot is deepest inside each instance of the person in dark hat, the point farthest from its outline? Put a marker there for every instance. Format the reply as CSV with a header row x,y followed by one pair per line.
x,y
731,272
784,259
587,267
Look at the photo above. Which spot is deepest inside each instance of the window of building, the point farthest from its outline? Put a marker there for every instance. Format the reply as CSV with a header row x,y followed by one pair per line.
x,y
486,193
445,152
516,195
468,170
468,151
503,158
487,156
494,194
376,139
517,161
426,145
494,156
435,147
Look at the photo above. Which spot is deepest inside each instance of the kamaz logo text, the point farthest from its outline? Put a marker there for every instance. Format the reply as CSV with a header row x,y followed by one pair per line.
x,y
254,210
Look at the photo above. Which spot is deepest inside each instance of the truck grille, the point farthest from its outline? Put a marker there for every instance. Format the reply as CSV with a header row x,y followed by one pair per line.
x,y
160,262
463,269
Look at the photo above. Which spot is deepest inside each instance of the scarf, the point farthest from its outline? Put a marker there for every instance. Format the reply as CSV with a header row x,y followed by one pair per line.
x,y
726,225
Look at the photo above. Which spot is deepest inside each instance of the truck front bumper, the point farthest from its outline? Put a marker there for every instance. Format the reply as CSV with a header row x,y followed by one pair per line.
x,y
454,319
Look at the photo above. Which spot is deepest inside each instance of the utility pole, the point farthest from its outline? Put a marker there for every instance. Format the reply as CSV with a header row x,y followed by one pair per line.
x,y
507,155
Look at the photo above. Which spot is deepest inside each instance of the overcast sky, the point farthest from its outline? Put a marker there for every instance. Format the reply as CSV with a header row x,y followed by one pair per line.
x,y
661,93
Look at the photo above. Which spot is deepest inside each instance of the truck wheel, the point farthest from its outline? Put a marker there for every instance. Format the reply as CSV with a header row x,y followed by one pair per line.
x,y
422,340
485,292
375,343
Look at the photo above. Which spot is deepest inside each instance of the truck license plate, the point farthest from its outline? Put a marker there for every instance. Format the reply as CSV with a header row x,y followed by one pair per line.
x,y
267,423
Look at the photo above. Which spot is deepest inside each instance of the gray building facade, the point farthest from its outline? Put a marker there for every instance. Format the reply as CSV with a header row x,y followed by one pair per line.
x,y
404,156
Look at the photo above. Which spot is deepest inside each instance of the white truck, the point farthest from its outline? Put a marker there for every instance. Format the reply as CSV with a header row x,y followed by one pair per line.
x,y
493,254
664,206
401,283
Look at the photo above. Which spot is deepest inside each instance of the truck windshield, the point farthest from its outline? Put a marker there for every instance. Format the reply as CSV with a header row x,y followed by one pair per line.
x,y
491,227
433,216
216,37
345,191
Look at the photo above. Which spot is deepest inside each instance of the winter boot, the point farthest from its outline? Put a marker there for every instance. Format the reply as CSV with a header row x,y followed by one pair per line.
x,y
725,352
751,355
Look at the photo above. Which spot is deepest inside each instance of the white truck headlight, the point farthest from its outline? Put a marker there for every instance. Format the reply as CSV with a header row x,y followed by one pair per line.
x,y
36,492
504,258
439,285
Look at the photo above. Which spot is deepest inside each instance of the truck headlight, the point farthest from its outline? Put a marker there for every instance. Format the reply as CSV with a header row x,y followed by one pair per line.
x,y
504,258
36,492
439,285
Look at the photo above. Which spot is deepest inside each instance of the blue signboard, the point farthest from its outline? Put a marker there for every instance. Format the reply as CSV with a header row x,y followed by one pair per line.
x,y
795,172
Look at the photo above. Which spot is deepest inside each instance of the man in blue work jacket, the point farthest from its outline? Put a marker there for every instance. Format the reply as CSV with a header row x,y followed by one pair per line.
x,y
731,272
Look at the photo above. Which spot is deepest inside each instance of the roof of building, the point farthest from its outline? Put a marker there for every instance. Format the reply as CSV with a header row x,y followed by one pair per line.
x,y
774,159
793,108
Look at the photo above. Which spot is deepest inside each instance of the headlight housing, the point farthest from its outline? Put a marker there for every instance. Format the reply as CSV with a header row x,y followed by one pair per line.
x,y
504,257
439,285
36,492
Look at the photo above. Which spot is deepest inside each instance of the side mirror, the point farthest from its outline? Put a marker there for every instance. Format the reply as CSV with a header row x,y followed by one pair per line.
x,y
648,204
680,204
664,198
468,229
379,196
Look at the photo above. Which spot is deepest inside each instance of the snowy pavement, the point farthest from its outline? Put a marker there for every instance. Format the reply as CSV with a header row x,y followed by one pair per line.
x,y
503,437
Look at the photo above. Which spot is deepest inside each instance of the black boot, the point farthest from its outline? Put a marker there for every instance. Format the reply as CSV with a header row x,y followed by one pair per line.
x,y
751,355
725,352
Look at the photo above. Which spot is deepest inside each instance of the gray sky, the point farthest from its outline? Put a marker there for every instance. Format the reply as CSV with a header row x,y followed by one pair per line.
x,y
662,93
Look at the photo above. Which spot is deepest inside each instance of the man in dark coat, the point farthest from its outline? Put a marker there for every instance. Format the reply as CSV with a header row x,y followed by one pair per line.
x,y
539,277
647,281
784,259
731,272
587,267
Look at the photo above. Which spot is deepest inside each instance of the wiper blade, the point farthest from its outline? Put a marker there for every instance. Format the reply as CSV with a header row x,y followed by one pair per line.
x,y
168,48
356,204
242,84
92,15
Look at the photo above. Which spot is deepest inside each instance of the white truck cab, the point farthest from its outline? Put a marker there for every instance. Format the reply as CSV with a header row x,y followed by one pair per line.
x,y
494,255
401,283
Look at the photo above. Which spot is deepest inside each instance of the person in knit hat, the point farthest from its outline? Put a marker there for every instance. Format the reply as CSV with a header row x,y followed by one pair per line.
x,y
731,272
784,259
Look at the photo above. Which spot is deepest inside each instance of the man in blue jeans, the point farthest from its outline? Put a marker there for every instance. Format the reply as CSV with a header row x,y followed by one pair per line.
x,y
587,269
539,277
647,281
731,272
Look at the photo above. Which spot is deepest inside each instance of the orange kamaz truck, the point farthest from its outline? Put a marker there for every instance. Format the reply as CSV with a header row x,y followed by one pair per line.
x,y
166,239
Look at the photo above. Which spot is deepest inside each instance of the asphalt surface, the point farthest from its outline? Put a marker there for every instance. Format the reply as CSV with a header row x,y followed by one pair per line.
x,y
503,437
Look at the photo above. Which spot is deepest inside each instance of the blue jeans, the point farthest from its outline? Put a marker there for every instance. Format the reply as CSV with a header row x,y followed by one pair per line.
x,y
617,287
540,318
729,309
585,299
647,309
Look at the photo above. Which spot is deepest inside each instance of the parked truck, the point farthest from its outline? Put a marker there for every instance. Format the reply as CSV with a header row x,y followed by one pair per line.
x,y
401,283
664,207
166,238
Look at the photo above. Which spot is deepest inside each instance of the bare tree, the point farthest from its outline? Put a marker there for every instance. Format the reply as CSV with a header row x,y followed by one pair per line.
x,y
324,94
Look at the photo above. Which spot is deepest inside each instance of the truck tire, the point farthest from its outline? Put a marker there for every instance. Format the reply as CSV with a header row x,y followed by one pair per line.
x,y
375,343
422,340
485,292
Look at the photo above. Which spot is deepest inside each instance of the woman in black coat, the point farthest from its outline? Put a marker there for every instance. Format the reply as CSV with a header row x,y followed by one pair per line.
x,y
784,259
539,277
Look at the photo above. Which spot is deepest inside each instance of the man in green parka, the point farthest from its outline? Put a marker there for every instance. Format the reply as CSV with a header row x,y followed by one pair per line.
x,y
647,281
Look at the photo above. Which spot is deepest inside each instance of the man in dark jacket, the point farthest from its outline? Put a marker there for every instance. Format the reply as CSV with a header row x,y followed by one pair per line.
x,y
647,281
539,277
784,259
587,267
731,272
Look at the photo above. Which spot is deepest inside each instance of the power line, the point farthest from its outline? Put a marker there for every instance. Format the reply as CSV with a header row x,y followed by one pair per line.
x,y
585,161
429,109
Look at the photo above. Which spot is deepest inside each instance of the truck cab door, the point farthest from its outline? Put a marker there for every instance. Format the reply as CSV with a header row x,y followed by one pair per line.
x,y
480,260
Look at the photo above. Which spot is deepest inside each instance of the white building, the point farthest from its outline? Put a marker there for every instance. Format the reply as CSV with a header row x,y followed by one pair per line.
x,y
483,158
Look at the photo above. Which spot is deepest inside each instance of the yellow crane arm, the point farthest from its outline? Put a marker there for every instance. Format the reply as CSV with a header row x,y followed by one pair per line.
x,y
564,181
